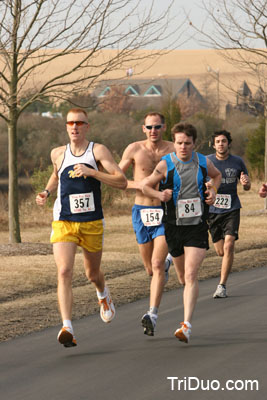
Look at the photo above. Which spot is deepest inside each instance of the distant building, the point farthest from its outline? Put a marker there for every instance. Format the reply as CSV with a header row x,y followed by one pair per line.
x,y
246,102
49,114
145,93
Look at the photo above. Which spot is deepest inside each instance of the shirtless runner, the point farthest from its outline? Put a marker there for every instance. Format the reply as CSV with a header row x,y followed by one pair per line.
x,y
147,213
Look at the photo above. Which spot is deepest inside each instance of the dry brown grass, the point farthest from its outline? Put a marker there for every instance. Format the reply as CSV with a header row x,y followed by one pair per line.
x,y
28,300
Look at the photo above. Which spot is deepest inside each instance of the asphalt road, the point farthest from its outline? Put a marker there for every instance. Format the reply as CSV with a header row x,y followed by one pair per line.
x,y
225,359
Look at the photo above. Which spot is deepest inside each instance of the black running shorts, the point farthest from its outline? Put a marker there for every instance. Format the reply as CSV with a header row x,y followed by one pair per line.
x,y
224,224
178,237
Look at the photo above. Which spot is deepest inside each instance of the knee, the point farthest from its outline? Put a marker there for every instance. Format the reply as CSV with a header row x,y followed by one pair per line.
x,y
220,252
229,247
157,267
190,277
64,274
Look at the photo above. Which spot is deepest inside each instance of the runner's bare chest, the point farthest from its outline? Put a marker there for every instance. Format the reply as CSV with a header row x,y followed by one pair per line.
x,y
145,161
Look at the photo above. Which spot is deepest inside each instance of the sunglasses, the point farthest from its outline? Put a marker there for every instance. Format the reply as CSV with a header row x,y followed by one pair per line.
x,y
150,127
78,123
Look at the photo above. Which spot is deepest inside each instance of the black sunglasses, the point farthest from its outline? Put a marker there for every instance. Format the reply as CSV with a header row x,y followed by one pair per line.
x,y
150,127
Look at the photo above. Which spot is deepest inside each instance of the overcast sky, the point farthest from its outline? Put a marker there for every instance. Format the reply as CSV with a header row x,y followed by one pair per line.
x,y
181,32
198,15
193,8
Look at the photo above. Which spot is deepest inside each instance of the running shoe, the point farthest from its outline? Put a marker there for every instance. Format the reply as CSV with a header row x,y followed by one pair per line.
x,y
66,337
107,309
220,292
183,333
168,263
149,323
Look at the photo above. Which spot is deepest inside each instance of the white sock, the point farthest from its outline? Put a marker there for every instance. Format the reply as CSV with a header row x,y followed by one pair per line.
x,y
188,324
102,295
67,324
153,310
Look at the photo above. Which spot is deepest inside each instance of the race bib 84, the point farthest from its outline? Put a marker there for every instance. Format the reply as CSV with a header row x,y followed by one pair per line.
x,y
189,208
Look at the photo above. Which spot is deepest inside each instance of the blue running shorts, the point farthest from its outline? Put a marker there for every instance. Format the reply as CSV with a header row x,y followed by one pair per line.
x,y
147,223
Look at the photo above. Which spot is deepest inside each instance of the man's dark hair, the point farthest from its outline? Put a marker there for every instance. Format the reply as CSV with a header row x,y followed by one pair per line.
x,y
219,133
184,127
155,114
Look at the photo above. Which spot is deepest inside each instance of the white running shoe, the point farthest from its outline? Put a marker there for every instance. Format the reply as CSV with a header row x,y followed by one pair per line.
x,y
149,323
220,292
168,263
107,309
183,333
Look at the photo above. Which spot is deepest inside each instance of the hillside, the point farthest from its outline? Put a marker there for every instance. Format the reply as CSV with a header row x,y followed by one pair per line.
x,y
191,64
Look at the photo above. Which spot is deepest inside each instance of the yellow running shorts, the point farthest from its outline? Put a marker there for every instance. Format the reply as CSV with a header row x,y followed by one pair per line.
x,y
89,235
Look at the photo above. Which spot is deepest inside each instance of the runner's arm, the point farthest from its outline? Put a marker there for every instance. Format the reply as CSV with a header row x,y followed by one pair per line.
x,y
112,174
213,184
263,190
126,161
245,181
150,182
52,183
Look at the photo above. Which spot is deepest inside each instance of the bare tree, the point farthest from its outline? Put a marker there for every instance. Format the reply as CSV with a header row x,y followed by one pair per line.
x,y
34,34
188,105
116,101
240,32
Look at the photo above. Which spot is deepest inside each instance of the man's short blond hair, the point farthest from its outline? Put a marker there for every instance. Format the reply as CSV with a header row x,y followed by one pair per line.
x,y
78,111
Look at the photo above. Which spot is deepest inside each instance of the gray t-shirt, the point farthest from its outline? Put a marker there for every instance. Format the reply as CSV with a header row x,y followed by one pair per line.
x,y
227,199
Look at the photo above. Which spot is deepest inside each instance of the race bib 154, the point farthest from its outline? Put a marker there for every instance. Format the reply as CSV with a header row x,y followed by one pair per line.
x,y
151,216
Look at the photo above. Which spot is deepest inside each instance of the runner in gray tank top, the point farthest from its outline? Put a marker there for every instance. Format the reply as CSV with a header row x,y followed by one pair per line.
x,y
185,194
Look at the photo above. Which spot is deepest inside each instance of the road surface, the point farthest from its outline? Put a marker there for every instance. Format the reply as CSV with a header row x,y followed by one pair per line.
x,y
225,359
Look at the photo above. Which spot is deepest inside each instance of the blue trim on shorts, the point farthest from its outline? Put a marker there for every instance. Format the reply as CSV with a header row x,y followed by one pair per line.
x,y
145,234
